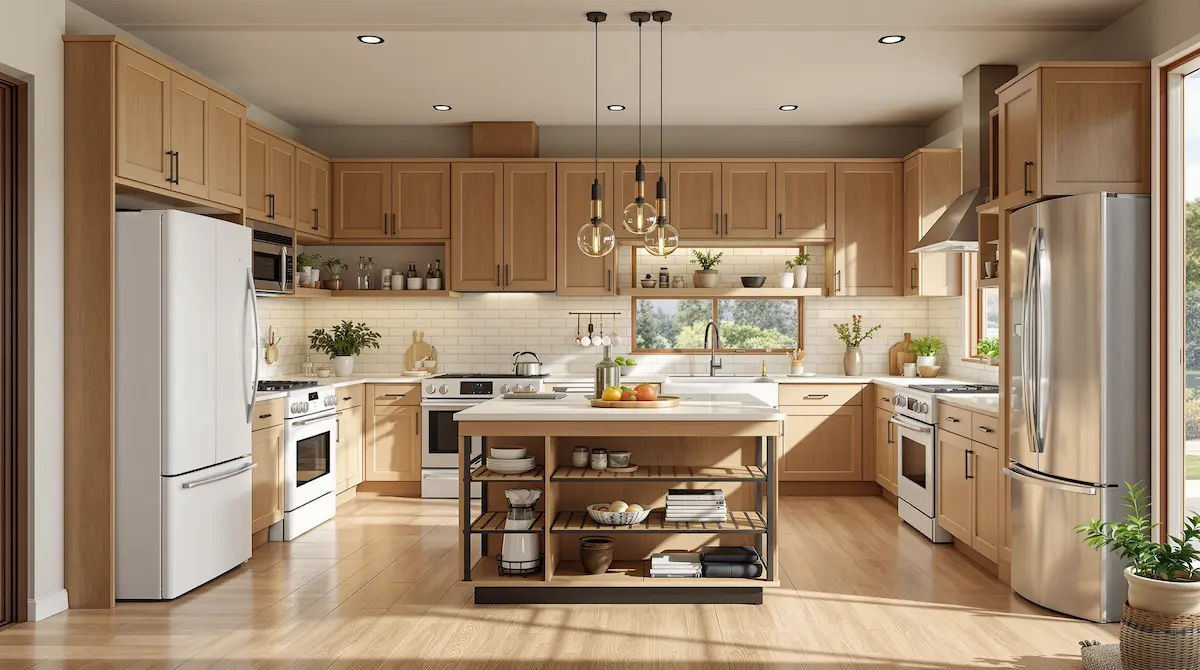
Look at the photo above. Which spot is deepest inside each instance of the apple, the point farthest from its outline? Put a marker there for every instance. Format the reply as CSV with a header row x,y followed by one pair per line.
x,y
619,360
618,506
630,361
646,392
629,394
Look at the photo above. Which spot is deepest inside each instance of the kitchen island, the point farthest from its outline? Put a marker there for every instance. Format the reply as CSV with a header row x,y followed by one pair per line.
x,y
721,441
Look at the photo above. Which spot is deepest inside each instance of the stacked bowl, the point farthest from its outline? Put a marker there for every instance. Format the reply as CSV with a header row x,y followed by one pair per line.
x,y
509,461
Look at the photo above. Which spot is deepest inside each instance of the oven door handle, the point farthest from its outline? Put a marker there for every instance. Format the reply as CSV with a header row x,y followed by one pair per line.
x,y
319,419
910,425
447,407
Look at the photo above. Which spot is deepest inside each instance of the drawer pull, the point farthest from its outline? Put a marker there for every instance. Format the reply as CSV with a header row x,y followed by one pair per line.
x,y
886,399
983,429
348,398
392,395
265,416
816,396
952,419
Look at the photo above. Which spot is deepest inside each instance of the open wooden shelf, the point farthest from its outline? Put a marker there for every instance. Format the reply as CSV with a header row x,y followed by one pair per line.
x,y
395,295
637,573
662,473
990,207
684,293
985,283
484,475
737,522
493,522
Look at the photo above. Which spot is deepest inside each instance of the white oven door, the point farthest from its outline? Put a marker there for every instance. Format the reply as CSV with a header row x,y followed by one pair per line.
x,y
439,432
915,458
309,459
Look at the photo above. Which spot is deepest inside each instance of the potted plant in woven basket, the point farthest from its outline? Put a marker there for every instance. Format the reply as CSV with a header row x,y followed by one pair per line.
x,y
706,276
1160,627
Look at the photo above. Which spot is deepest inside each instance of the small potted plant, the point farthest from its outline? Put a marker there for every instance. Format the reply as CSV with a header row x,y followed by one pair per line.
x,y
852,335
342,343
927,349
1162,613
335,267
989,348
706,276
799,268
306,262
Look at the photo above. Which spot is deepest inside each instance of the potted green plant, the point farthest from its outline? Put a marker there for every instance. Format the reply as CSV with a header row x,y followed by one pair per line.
x,y
989,348
927,349
307,262
852,335
1161,622
342,343
706,276
799,268
334,266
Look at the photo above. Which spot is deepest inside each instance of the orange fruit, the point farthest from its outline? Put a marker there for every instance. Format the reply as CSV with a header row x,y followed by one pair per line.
x,y
647,392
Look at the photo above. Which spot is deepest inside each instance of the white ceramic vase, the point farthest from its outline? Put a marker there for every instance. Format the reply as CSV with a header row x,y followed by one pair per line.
x,y
1154,595
302,276
852,361
923,361
787,280
343,366
801,273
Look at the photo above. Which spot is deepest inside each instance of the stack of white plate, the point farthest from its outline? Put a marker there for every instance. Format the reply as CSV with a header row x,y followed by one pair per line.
x,y
509,461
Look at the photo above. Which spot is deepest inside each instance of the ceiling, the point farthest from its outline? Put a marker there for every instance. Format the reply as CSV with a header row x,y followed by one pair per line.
x,y
496,60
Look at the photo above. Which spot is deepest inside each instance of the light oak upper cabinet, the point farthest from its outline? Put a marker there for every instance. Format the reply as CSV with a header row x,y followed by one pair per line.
x,y
530,227
143,119
696,200
189,135
393,444
867,259
1071,128
322,195
625,180
226,150
477,226
579,274
258,144
266,480
362,201
749,201
932,181
805,197
281,182
421,201
312,195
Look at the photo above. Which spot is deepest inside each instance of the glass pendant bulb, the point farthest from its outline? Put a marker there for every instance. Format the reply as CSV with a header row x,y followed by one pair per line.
x,y
663,241
640,216
596,238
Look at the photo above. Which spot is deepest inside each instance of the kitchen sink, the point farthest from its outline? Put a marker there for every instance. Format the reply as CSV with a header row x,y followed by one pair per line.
x,y
764,389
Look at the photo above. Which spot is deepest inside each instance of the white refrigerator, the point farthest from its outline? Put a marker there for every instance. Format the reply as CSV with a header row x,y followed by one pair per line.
x,y
186,355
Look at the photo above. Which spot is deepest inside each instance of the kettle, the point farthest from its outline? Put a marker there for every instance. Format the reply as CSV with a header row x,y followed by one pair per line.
x,y
526,368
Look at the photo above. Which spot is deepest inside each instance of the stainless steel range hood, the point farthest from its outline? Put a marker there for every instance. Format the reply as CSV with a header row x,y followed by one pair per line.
x,y
957,230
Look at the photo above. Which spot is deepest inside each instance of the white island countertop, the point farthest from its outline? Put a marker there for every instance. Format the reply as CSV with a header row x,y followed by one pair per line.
x,y
577,407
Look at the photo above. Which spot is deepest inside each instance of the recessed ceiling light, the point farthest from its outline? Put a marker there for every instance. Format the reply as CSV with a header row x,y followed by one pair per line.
x,y
370,39
788,108
443,108
891,39
616,108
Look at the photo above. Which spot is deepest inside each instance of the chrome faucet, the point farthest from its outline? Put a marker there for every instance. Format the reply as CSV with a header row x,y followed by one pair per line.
x,y
713,363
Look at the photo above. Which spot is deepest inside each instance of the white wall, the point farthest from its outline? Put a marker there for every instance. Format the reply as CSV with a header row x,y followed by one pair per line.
x,y
31,49
621,141
1144,34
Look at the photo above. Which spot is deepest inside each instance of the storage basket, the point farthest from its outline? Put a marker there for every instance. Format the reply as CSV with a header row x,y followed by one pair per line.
x,y
1153,641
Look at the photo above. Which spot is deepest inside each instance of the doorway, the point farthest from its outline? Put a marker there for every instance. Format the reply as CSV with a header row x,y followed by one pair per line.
x,y
13,351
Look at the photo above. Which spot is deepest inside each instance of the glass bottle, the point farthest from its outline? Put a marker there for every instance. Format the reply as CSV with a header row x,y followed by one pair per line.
x,y
429,271
308,370
437,269
370,270
358,276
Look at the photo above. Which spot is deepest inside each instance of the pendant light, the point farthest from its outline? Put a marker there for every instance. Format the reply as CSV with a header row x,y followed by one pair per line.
x,y
596,238
664,239
640,217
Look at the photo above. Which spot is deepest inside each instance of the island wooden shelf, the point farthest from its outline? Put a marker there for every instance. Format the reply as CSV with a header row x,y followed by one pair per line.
x,y
485,475
637,573
727,292
662,473
493,522
738,522
486,572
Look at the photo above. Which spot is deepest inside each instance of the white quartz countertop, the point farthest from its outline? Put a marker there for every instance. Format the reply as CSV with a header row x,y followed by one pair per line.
x,y
986,403
576,407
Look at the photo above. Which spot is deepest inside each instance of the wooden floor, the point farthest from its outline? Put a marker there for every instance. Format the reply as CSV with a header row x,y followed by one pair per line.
x,y
378,588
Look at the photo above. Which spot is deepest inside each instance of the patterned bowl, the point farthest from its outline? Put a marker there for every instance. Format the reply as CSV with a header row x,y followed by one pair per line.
x,y
616,518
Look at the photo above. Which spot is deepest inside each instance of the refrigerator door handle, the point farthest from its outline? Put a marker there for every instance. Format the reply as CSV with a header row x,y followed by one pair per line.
x,y
216,478
257,344
1045,482
1042,281
1027,344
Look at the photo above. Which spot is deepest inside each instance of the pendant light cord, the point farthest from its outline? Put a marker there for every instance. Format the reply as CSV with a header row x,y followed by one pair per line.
x,y
596,111
639,91
661,25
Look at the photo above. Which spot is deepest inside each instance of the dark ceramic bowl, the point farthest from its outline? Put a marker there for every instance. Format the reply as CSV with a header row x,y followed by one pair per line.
x,y
754,282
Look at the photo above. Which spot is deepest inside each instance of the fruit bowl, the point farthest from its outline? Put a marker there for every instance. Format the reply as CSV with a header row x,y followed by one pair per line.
x,y
616,518
627,369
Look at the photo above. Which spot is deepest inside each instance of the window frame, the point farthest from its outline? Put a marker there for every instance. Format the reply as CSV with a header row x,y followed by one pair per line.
x,y
633,312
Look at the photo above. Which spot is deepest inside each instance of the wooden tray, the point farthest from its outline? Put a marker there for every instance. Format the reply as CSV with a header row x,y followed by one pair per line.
x,y
662,402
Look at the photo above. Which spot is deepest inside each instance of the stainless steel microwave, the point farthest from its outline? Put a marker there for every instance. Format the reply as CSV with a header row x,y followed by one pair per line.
x,y
272,262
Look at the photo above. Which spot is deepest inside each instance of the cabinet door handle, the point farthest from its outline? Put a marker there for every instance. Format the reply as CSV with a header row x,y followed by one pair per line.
x,y
497,275
507,275
393,224
889,429
779,224
717,223
385,228
952,419
912,278
338,423
608,281
170,167
1028,164
816,396
983,429
271,204
886,399
967,464
727,224
265,416
838,277
316,219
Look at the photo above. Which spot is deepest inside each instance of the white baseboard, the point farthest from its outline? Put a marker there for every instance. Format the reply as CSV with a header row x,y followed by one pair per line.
x,y
48,606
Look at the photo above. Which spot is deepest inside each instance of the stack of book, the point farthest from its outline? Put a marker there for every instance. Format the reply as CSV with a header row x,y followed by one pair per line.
x,y
676,564
695,505
731,562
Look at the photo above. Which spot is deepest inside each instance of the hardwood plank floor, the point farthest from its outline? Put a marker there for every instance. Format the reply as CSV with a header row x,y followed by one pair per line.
x,y
378,588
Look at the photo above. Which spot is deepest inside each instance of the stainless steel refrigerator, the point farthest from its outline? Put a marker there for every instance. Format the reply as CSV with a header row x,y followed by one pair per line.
x,y
1079,383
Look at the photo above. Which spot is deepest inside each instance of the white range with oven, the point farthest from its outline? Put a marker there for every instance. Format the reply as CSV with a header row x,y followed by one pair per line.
x,y
441,397
310,435
916,440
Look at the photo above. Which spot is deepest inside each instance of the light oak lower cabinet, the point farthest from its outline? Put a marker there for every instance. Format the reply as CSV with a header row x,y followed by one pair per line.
x,y
349,449
885,451
822,443
266,480
392,451
968,492
985,468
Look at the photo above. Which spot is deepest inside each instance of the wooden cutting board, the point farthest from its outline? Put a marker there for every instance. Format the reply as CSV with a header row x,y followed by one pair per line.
x,y
419,350
900,354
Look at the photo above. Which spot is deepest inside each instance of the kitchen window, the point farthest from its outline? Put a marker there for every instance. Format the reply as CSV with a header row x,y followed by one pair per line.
x,y
982,306
747,325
